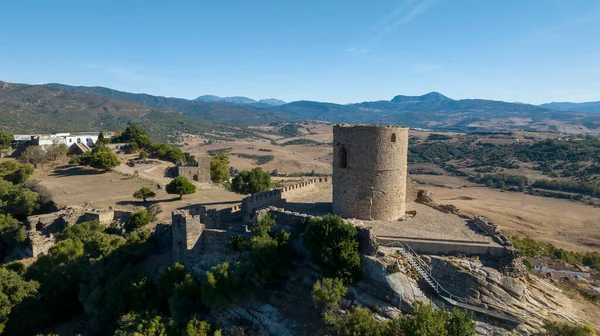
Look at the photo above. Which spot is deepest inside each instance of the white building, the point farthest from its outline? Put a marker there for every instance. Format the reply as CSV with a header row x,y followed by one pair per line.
x,y
88,139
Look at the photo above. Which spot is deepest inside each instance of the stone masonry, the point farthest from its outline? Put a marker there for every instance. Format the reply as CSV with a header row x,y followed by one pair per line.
x,y
187,237
369,171
199,171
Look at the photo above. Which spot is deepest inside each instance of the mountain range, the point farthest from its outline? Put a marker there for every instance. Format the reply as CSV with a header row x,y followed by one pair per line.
x,y
237,100
587,107
44,107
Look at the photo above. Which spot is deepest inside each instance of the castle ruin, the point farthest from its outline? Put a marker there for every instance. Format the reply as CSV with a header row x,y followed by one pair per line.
x,y
369,171
198,171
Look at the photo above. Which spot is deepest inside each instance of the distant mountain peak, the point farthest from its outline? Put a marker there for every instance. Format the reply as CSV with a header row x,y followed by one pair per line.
x,y
272,101
239,100
430,97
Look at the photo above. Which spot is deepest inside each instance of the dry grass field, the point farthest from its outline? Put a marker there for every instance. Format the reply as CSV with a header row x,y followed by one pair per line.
x,y
78,186
564,223
287,159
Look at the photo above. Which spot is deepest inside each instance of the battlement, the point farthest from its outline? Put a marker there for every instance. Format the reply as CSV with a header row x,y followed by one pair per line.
x,y
304,184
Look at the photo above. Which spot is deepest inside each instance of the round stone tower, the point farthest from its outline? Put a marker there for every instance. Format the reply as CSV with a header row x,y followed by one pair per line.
x,y
369,171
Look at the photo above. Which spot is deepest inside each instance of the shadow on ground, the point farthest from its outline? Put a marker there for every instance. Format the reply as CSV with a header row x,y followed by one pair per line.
x,y
315,209
75,171
149,202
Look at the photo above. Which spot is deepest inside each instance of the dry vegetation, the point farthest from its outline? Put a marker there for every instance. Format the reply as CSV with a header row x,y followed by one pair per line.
x,y
77,186
287,159
564,223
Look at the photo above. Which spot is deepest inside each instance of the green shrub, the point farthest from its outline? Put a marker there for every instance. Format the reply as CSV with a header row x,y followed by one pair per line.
x,y
328,292
564,329
263,226
138,220
334,245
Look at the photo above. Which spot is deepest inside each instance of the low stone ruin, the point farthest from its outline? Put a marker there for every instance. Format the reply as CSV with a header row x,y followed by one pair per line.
x,y
41,228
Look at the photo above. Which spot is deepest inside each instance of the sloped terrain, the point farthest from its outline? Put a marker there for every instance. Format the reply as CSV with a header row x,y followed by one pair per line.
x,y
209,110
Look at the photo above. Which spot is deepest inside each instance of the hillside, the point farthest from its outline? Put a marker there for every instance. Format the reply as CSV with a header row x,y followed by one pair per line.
x,y
206,110
37,108
430,111
437,111
587,107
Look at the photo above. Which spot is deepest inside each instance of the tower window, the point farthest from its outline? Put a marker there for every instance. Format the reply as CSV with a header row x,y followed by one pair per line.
x,y
393,137
343,157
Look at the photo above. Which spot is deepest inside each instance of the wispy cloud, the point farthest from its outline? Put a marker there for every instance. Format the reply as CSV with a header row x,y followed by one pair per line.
x,y
357,51
407,11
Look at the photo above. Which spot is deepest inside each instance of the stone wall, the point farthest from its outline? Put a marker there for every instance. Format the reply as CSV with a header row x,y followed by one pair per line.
x,y
440,247
493,230
256,202
199,171
288,221
301,186
222,219
186,236
104,216
39,243
369,171
482,222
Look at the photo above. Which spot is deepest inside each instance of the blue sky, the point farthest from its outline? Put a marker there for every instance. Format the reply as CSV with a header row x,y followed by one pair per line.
x,y
340,51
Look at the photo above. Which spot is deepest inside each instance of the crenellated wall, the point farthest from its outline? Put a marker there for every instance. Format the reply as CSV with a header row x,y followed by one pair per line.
x,y
255,202
220,219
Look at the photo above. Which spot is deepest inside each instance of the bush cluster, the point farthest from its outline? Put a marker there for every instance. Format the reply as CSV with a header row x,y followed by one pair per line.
x,y
529,247
334,245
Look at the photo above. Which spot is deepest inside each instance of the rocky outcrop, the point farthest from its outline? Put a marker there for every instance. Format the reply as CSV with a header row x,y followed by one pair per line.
x,y
526,298
265,319
396,288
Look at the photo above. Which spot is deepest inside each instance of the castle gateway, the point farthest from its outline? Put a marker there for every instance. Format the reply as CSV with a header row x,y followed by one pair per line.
x,y
369,171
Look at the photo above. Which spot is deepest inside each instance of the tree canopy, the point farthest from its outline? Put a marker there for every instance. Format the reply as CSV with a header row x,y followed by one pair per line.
x,y
180,186
34,155
251,182
101,157
219,168
144,193
14,172
13,290
6,140
17,199
12,233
